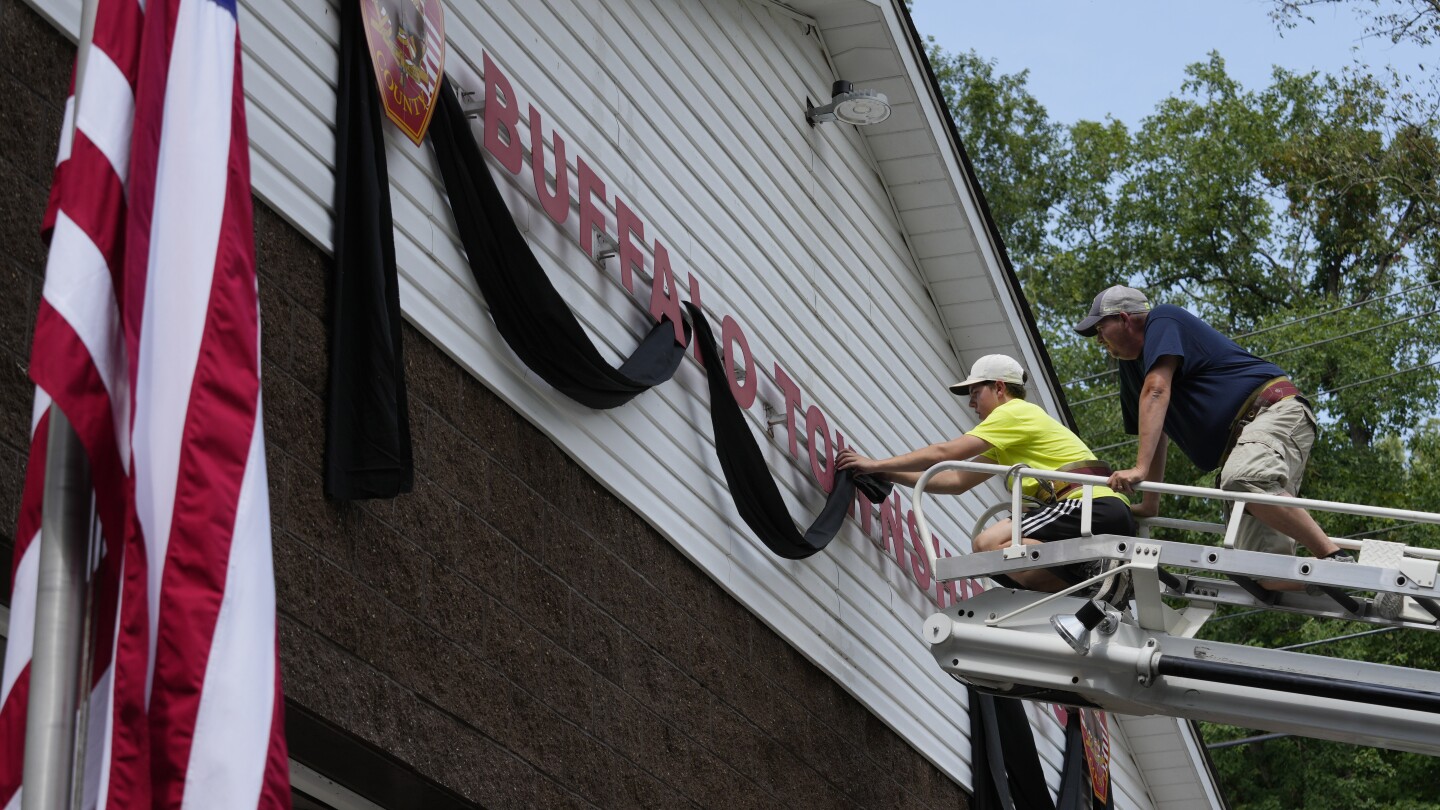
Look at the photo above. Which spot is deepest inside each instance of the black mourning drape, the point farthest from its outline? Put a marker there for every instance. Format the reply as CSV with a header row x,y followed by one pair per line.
x,y
367,426
528,311
367,438
1004,761
539,327
757,498
1074,793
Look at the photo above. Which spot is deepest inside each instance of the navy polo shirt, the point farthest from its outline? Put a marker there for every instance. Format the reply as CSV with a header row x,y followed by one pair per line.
x,y
1214,378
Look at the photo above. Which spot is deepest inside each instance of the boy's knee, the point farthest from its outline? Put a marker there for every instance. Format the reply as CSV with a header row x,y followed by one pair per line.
x,y
993,537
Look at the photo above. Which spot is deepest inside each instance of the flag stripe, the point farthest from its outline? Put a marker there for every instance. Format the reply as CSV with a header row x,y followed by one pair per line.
x,y
236,709
12,726
223,389
92,205
107,109
185,204
202,500
150,307
80,292
76,386
27,527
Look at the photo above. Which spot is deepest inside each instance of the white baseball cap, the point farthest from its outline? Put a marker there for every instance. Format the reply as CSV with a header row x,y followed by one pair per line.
x,y
990,368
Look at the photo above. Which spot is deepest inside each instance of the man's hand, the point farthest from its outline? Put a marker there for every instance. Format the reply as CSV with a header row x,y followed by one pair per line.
x,y
1125,480
851,460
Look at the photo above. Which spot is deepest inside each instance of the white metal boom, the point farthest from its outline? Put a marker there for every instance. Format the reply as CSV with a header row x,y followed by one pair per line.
x,y
1144,659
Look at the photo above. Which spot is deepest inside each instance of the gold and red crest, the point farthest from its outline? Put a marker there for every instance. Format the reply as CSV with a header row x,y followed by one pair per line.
x,y
1095,733
407,47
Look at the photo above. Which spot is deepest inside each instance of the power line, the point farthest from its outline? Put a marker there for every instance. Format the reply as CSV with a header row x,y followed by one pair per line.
x,y
1245,741
1307,644
1304,319
1366,330
1381,377
1368,534
1312,345
1338,309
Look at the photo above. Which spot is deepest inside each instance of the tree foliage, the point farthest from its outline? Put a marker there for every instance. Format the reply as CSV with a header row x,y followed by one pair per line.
x,y
1302,218
1396,20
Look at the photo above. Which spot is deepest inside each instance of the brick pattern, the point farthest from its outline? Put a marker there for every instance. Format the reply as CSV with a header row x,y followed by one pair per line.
x,y
510,630
34,82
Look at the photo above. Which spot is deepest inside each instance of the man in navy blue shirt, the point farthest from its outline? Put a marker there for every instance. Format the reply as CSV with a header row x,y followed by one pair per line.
x,y
1182,381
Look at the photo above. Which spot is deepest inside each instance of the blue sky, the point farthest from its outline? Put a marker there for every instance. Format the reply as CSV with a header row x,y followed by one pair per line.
x,y
1090,58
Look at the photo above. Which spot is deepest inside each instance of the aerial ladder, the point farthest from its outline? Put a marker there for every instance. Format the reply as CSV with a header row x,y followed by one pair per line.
x,y
1143,658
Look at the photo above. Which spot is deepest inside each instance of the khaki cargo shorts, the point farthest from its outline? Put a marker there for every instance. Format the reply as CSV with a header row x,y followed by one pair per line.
x,y
1270,458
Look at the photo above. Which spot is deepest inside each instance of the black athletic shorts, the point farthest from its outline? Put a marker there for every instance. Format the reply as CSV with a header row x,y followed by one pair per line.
x,y
1061,521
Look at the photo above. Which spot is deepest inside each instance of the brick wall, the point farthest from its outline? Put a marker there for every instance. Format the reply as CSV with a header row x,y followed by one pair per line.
x,y
510,630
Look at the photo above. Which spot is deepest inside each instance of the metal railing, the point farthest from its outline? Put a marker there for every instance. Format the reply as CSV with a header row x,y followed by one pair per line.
x,y
1088,483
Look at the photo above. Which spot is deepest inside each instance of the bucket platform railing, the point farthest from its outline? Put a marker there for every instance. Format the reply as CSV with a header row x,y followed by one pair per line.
x,y
1070,649
1219,574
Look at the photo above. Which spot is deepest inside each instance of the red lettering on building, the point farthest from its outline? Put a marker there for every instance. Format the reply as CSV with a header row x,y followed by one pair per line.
x,y
792,404
839,446
945,593
631,259
592,217
661,302
892,532
865,507
919,564
817,426
502,141
556,204
731,335
501,111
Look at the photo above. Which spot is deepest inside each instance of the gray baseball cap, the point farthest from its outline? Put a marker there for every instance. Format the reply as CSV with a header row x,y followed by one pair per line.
x,y
1113,301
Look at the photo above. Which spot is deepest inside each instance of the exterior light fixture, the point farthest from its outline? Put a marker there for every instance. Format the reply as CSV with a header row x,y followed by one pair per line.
x,y
858,107
1076,629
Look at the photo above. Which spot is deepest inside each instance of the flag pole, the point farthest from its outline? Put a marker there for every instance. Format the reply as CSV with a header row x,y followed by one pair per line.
x,y
60,654
55,665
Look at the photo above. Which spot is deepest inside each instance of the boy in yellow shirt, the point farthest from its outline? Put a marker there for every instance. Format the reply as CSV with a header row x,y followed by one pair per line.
x,y
1013,431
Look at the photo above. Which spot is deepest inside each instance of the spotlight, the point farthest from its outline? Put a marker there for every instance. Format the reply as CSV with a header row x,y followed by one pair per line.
x,y
858,107
1076,629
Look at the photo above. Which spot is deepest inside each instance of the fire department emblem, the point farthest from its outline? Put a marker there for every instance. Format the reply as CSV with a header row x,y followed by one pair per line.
x,y
407,47
1095,733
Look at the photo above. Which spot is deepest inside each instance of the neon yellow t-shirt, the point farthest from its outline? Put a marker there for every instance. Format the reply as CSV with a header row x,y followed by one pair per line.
x,y
1021,432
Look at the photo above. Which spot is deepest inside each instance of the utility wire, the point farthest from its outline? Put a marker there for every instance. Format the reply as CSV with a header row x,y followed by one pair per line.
x,y
1245,741
1367,534
1381,377
1325,393
1363,633
1364,331
1108,372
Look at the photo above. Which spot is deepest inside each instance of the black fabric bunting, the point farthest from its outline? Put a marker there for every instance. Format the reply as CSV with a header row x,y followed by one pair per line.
x,y
748,477
367,426
528,311
1004,761
1073,784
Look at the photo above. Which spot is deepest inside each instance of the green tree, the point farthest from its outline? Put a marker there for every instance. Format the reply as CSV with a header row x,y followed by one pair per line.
x,y
1302,218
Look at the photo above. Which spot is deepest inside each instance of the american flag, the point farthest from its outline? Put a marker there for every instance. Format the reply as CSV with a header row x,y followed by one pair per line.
x,y
148,339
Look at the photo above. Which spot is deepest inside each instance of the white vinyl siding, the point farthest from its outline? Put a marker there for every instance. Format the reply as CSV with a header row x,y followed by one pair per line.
x,y
693,114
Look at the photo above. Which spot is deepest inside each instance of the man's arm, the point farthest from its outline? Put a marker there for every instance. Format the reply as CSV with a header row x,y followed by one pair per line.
x,y
906,469
950,482
1154,402
1149,505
